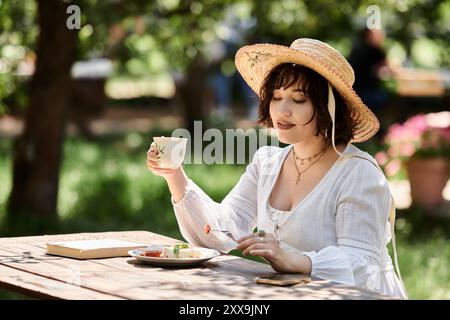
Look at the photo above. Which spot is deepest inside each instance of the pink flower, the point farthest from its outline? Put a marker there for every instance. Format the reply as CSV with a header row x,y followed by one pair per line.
x,y
427,135
393,167
395,132
417,123
381,158
394,151
407,149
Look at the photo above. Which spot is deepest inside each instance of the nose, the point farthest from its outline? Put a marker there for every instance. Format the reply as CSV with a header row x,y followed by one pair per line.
x,y
284,109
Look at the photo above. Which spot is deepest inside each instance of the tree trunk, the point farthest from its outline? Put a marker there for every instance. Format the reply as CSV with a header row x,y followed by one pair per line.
x,y
192,92
37,152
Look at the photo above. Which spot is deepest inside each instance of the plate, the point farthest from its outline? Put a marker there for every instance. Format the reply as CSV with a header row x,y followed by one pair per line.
x,y
206,254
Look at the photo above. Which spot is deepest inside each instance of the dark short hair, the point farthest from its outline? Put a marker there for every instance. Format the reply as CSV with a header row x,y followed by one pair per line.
x,y
315,88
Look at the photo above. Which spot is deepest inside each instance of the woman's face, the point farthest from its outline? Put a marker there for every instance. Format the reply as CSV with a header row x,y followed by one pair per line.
x,y
290,111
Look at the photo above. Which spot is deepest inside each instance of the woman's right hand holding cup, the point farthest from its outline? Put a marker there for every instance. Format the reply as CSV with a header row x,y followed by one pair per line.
x,y
154,166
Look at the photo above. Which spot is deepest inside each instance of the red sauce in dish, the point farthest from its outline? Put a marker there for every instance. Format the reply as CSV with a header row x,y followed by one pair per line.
x,y
153,253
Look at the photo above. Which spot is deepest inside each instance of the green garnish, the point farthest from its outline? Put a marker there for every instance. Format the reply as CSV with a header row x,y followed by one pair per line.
x,y
177,247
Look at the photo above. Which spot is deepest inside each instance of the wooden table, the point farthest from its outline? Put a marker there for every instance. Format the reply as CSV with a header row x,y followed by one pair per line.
x,y
25,268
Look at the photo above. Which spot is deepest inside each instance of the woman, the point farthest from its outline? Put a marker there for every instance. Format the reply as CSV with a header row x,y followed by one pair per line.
x,y
324,204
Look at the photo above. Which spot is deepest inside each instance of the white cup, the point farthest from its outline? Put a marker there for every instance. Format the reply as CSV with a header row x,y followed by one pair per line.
x,y
169,151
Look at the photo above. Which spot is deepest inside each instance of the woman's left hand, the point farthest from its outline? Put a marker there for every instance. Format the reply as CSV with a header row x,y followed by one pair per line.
x,y
268,247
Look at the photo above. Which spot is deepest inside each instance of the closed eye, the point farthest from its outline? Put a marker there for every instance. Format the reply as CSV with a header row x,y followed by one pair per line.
x,y
296,101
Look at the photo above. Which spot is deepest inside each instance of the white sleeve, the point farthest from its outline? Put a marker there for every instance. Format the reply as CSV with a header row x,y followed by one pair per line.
x,y
236,213
361,222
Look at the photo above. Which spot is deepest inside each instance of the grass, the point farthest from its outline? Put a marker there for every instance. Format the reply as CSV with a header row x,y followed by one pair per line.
x,y
106,186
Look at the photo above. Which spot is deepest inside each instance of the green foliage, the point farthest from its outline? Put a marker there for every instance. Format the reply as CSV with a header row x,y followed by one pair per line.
x,y
167,35
161,37
18,33
423,245
5,174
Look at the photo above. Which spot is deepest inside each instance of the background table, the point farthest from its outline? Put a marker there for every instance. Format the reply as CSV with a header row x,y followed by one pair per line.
x,y
25,268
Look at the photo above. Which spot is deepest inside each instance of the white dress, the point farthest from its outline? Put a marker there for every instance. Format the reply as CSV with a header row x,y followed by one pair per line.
x,y
341,225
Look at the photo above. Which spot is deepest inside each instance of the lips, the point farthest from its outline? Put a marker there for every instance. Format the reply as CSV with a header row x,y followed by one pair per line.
x,y
284,125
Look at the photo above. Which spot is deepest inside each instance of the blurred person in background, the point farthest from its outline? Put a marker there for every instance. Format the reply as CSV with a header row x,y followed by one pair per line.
x,y
368,59
223,77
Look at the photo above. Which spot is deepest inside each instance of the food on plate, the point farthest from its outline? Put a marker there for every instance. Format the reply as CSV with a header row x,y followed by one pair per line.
x,y
181,250
152,251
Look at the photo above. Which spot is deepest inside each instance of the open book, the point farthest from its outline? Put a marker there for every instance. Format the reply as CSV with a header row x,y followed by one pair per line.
x,y
92,249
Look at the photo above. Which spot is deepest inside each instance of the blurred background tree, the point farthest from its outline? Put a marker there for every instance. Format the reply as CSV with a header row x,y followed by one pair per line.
x,y
37,152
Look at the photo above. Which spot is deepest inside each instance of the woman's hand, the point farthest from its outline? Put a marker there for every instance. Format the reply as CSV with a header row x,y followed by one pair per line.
x,y
176,178
154,167
267,247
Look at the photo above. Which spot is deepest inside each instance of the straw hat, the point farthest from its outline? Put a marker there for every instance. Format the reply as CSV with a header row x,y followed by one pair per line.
x,y
254,62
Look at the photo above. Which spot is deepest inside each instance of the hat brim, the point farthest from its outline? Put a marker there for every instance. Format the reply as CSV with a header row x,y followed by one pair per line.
x,y
254,62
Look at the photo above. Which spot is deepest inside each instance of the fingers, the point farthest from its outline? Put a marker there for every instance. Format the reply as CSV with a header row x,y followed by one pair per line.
x,y
151,154
154,166
251,235
253,238
249,242
162,171
256,246
156,169
265,253
152,163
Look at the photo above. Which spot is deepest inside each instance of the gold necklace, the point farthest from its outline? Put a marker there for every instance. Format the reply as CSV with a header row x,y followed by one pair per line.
x,y
307,158
299,173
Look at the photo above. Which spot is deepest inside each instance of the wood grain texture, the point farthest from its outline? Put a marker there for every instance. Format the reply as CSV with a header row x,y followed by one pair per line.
x,y
25,267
